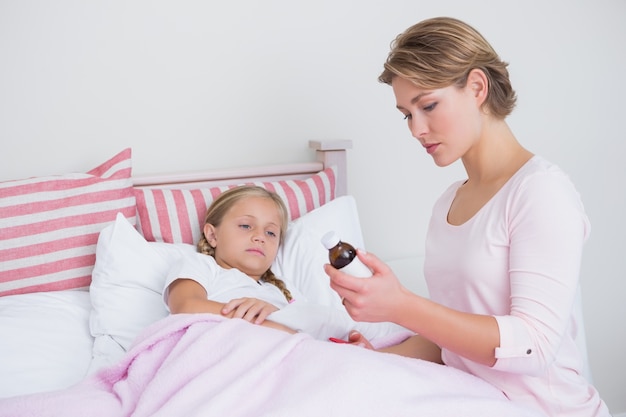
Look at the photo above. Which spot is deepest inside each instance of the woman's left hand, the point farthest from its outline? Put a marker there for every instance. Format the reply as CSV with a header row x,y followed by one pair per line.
x,y
356,338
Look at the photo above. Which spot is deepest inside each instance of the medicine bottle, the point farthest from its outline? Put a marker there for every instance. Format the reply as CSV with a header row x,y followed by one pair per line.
x,y
342,255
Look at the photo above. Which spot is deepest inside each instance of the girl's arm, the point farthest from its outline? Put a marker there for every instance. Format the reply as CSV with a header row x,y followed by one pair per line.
x,y
188,296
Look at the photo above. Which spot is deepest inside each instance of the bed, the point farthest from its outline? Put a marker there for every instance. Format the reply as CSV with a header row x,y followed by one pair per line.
x,y
83,258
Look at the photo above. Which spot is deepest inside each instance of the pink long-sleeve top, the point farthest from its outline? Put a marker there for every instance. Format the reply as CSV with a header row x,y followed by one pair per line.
x,y
518,260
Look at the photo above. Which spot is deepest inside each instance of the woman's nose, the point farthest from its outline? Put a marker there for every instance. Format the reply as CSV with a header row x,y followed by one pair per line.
x,y
417,128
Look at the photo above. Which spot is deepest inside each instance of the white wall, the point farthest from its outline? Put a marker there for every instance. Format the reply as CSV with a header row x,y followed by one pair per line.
x,y
192,84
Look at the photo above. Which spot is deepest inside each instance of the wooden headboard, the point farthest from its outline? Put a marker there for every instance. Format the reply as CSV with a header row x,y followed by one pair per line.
x,y
328,153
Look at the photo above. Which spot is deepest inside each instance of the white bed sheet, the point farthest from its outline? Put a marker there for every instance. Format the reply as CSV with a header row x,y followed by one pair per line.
x,y
51,329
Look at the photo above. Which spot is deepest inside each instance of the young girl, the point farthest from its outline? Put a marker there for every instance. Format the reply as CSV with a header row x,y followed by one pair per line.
x,y
230,275
243,229
504,245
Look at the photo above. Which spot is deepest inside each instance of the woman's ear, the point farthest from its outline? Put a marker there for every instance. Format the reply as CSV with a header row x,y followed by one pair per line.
x,y
209,234
478,83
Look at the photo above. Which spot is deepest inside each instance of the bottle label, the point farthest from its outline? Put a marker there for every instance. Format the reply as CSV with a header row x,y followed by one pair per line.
x,y
357,269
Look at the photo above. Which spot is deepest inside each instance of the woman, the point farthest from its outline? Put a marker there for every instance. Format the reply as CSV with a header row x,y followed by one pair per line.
x,y
504,245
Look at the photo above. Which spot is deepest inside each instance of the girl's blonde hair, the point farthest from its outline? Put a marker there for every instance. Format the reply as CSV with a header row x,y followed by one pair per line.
x,y
439,52
220,206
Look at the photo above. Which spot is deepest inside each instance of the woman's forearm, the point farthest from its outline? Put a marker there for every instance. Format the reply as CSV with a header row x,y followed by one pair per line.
x,y
416,347
472,336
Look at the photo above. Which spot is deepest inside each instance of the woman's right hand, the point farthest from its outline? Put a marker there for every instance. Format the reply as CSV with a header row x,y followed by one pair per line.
x,y
249,309
372,299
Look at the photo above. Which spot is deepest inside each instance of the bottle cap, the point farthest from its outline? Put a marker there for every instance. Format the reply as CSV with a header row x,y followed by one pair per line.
x,y
330,239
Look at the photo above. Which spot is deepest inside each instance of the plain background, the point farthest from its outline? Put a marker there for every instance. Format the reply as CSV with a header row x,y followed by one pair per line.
x,y
193,84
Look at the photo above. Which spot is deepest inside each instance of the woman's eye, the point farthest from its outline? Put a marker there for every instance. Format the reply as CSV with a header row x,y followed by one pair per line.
x,y
430,107
407,117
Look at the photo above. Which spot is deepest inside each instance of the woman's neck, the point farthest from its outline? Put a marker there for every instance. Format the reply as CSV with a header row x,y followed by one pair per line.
x,y
496,157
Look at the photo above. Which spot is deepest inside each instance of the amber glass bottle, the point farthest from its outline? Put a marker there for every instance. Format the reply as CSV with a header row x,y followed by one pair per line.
x,y
342,255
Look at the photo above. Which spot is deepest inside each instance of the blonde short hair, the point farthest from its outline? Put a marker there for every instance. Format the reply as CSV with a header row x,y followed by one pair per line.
x,y
442,51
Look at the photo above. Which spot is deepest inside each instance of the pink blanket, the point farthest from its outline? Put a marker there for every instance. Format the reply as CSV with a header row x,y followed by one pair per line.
x,y
205,365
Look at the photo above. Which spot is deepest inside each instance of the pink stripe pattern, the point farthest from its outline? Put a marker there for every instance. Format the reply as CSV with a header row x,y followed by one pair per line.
x,y
49,226
177,215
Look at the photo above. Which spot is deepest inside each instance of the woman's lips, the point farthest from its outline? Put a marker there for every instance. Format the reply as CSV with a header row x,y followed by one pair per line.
x,y
430,148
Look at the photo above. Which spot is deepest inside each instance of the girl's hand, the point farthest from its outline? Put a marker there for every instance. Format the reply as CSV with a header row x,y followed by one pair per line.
x,y
250,309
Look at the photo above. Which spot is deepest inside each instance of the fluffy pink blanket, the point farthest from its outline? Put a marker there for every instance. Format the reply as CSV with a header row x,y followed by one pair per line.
x,y
205,365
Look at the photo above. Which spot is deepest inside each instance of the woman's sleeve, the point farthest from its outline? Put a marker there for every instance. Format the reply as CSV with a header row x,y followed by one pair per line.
x,y
547,229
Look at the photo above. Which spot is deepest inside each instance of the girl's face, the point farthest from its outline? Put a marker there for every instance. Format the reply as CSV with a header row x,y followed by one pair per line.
x,y
248,237
446,121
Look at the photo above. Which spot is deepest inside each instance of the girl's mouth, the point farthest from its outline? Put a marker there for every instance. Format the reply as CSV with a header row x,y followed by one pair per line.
x,y
256,251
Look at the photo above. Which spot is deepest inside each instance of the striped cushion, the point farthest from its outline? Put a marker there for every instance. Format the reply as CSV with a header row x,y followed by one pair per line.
x,y
49,226
177,215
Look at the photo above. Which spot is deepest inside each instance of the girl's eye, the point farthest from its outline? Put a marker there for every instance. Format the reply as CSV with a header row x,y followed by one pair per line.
x,y
270,233
430,107
407,117
244,226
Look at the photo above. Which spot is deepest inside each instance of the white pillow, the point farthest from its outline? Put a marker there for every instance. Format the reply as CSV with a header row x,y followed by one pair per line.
x,y
46,343
301,259
126,287
300,263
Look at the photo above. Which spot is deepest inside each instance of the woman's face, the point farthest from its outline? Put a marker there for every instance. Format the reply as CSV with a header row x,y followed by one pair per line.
x,y
446,121
248,236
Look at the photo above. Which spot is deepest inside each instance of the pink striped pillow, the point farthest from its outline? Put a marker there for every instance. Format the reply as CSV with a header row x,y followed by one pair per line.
x,y
177,215
49,226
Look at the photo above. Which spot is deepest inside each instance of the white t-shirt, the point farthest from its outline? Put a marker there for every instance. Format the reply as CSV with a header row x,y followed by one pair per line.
x,y
518,259
223,285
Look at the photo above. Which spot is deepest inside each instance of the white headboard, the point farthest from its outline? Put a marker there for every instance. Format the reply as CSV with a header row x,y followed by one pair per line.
x,y
328,153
